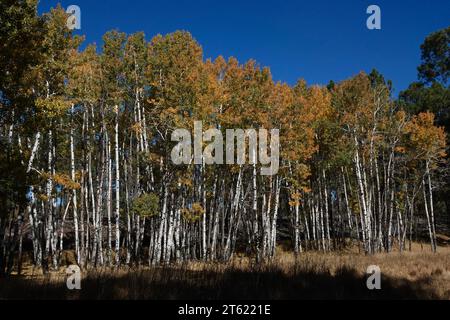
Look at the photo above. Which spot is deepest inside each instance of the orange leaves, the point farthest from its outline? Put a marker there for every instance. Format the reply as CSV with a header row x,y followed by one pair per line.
x,y
136,128
317,104
61,179
307,110
358,104
400,149
175,71
65,181
246,92
194,213
84,81
295,199
280,99
426,140
185,180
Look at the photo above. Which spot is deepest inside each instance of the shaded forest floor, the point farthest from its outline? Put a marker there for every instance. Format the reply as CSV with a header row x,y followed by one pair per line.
x,y
419,274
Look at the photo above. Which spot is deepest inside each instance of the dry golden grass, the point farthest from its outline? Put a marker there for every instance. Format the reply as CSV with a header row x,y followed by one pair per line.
x,y
419,274
432,270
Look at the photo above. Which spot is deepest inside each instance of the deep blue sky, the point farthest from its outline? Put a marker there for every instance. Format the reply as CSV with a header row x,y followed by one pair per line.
x,y
316,40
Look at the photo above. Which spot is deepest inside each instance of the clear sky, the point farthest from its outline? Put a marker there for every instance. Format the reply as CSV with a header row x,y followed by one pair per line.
x,y
317,40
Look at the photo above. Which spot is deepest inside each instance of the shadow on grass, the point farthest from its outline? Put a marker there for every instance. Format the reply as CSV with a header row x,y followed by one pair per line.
x,y
179,283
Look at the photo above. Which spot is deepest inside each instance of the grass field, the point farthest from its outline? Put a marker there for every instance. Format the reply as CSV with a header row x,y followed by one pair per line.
x,y
419,274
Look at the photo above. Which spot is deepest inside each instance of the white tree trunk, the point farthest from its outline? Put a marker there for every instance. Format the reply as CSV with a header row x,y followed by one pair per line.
x,y
117,185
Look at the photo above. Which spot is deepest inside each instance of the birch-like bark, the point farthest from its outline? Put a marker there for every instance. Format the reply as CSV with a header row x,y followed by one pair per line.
x,y
74,191
109,196
117,185
273,242
430,194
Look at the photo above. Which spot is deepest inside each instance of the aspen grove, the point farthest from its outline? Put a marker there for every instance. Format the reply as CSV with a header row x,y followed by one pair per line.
x,y
86,154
